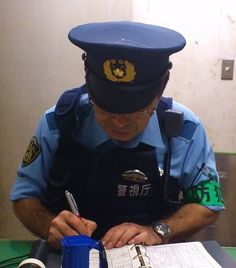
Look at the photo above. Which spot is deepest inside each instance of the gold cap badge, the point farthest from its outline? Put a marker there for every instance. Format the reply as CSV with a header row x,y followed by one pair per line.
x,y
119,70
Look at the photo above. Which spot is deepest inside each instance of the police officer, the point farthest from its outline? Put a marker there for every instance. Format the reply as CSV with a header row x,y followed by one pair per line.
x,y
125,153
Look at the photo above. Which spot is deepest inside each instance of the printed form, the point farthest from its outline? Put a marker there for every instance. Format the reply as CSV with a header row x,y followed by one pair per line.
x,y
177,255
187,255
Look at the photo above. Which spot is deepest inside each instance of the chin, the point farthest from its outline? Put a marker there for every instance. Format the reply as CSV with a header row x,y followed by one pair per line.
x,y
121,137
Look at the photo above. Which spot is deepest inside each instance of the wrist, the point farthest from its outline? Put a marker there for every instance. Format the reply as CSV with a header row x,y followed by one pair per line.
x,y
162,230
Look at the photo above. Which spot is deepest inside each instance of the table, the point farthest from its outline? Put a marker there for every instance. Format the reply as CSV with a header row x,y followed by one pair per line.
x,y
12,249
231,251
18,248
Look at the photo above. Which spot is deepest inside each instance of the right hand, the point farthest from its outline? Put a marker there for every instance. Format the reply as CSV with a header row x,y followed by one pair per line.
x,y
67,224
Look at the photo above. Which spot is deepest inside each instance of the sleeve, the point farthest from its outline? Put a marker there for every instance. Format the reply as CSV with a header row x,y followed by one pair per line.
x,y
199,177
33,171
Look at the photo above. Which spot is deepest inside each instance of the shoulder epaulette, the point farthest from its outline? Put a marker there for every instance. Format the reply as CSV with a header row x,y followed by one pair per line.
x,y
164,104
66,111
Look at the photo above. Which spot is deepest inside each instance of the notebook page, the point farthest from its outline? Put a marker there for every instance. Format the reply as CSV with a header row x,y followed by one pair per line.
x,y
124,257
94,258
188,255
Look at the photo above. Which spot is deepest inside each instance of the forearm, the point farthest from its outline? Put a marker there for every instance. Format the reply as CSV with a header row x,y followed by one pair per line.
x,y
34,216
189,219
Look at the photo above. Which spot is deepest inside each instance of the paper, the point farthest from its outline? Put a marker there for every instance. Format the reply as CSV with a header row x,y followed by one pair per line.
x,y
187,255
179,255
117,258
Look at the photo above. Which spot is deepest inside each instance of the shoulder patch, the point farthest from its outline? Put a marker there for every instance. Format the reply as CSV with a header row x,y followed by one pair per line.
x,y
32,152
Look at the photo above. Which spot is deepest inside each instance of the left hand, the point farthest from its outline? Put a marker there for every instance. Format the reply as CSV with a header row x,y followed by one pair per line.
x,y
130,233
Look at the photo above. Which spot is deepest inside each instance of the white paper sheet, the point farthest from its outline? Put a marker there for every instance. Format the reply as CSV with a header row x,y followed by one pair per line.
x,y
179,255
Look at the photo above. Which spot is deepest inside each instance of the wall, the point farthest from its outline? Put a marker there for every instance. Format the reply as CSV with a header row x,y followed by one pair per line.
x,y
210,29
38,63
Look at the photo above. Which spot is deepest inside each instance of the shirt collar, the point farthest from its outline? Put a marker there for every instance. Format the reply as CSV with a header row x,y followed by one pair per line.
x,y
90,133
152,134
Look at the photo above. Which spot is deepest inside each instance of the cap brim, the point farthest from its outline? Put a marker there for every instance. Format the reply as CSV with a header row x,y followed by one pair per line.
x,y
121,99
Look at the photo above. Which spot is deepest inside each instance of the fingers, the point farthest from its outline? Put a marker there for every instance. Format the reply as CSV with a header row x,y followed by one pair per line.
x,y
67,224
130,233
146,239
117,236
91,226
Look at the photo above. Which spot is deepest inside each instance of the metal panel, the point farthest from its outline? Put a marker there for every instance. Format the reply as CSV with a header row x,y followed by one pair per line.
x,y
227,70
224,228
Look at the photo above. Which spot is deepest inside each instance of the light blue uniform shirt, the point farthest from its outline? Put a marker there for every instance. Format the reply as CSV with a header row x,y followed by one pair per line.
x,y
190,152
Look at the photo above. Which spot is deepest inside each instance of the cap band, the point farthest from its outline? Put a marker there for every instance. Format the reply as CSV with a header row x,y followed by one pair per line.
x,y
122,98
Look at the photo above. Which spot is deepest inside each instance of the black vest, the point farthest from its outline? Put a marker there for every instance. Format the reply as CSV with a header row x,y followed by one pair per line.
x,y
94,177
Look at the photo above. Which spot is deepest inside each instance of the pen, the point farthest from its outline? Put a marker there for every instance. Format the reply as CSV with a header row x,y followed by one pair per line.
x,y
72,203
74,208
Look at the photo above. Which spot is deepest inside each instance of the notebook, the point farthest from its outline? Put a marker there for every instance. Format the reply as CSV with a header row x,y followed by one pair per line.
x,y
187,255
204,254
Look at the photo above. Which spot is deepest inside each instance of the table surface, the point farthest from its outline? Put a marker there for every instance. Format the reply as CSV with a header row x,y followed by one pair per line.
x,y
12,252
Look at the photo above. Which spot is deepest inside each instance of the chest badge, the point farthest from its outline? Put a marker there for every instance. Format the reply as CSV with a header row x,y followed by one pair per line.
x,y
134,175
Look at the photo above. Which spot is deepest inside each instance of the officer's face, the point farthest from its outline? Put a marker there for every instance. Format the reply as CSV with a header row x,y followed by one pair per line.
x,y
124,127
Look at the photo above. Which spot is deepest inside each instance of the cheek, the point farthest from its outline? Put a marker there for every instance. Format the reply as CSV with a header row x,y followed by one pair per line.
x,y
103,122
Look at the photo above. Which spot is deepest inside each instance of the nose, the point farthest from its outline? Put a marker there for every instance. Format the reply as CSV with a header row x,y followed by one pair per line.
x,y
120,121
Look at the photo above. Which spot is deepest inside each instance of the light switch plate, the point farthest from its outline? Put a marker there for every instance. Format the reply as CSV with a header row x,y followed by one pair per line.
x,y
227,70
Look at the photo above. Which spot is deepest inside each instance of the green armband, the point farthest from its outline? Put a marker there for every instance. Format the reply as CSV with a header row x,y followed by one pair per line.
x,y
206,193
